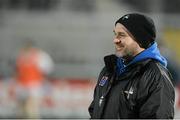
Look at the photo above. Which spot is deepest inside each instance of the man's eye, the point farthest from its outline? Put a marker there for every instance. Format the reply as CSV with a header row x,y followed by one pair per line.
x,y
123,35
119,34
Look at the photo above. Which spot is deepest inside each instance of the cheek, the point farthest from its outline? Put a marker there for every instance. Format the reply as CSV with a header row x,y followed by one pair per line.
x,y
132,48
129,49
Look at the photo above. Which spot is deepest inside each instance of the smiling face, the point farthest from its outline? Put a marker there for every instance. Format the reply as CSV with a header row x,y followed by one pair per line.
x,y
125,44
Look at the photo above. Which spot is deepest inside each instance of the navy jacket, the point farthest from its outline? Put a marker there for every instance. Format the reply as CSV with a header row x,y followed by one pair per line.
x,y
144,91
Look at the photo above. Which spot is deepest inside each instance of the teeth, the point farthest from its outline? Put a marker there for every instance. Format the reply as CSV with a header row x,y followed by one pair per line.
x,y
118,48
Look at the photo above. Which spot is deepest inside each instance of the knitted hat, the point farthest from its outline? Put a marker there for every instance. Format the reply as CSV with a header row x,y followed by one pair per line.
x,y
141,27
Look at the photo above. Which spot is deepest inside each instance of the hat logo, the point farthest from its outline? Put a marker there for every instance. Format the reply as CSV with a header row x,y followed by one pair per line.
x,y
125,17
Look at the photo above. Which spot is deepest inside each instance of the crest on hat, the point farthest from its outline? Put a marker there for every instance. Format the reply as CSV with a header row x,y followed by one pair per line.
x,y
125,17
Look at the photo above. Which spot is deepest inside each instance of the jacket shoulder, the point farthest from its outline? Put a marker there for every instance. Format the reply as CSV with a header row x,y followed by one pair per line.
x,y
157,69
154,66
156,74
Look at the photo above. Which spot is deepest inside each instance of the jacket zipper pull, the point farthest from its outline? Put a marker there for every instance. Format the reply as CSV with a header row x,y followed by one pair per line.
x,y
101,100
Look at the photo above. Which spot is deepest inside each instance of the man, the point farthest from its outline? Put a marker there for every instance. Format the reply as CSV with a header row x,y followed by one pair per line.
x,y
135,82
33,65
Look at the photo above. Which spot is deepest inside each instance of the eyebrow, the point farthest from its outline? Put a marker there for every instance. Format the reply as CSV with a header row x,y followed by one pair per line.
x,y
119,33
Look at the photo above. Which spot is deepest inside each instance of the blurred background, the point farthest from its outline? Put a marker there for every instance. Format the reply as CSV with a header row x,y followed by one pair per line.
x,y
72,37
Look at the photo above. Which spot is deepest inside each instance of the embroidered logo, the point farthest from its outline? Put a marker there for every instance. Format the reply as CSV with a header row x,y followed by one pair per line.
x,y
129,92
103,80
125,17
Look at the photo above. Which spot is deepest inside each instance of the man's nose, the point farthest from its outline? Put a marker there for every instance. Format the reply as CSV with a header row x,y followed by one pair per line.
x,y
116,41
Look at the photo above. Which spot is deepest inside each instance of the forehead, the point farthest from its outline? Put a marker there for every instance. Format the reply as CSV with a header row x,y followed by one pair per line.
x,y
120,28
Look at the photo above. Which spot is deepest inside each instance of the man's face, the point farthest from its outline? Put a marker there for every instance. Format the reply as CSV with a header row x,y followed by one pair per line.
x,y
125,46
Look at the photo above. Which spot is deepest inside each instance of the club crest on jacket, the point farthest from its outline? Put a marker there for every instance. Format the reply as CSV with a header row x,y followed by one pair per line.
x,y
103,80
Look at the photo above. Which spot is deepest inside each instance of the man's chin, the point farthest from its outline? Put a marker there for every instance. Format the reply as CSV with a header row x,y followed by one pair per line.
x,y
119,54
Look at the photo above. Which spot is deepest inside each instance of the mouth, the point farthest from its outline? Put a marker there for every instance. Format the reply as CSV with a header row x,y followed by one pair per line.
x,y
119,48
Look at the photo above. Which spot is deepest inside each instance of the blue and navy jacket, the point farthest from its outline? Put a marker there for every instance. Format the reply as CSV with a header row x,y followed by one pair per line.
x,y
140,89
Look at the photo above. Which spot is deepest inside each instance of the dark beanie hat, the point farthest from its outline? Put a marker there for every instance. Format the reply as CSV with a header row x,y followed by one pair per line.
x,y
141,27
